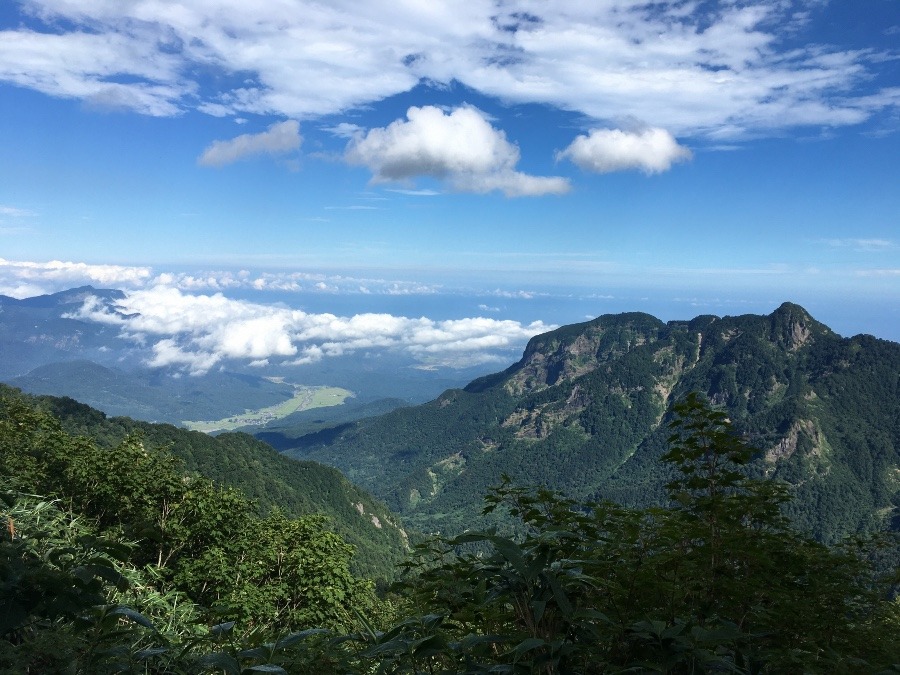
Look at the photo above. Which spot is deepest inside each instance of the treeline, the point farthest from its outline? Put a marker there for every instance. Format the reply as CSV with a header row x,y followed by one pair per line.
x,y
266,477
117,560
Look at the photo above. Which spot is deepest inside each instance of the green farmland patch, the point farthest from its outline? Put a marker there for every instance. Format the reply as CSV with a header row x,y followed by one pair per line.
x,y
304,398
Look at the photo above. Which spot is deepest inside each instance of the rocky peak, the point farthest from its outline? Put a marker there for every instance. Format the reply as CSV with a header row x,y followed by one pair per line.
x,y
572,351
792,326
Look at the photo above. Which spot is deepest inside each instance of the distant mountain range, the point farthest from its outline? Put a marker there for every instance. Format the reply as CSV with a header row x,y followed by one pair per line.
x,y
37,331
45,350
585,411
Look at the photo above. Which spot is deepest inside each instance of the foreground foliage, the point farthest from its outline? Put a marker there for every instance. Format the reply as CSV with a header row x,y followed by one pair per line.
x,y
717,583
131,568
118,553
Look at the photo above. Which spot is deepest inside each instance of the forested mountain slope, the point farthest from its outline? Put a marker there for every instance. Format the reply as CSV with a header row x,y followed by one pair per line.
x,y
271,480
584,411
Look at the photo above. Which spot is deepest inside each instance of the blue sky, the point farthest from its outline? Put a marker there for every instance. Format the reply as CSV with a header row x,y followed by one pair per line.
x,y
673,157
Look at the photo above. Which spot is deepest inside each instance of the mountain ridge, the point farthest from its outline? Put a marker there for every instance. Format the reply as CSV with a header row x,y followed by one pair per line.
x,y
584,411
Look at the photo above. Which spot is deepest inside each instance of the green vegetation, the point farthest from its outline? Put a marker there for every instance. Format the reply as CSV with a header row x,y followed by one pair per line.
x,y
241,462
154,395
673,532
284,433
87,529
304,398
129,567
585,411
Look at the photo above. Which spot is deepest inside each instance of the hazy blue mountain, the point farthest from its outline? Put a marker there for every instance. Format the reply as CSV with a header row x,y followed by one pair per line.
x,y
585,411
38,331
43,350
152,394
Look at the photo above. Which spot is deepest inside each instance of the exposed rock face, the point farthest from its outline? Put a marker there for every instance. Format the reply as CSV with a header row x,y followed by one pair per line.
x,y
585,411
556,357
789,444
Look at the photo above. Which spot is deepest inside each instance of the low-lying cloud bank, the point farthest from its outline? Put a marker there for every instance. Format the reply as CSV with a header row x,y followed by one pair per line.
x,y
24,279
196,333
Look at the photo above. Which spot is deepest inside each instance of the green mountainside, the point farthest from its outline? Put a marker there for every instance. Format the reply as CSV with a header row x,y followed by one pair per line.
x,y
153,394
117,556
239,461
283,432
585,411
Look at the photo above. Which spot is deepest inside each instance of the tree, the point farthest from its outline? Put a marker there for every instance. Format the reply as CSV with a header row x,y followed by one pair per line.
x,y
719,582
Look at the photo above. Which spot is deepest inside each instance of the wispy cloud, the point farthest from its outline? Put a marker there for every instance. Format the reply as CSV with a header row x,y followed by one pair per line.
x,y
861,245
713,70
196,333
892,273
415,193
15,212
278,139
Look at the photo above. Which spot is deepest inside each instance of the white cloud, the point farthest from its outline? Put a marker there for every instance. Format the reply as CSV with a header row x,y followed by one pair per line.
x,y
715,70
90,65
20,290
460,147
278,139
26,278
308,282
15,212
195,333
890,273
415,193
345,130
862,245
607,150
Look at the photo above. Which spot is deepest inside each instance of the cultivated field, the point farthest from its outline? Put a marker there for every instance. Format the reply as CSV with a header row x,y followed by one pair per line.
x,y
304,398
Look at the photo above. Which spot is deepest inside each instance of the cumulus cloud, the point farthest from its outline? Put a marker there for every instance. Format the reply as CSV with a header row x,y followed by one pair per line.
x,y
608,150
23,279
196,333
717,70
278,139
459,146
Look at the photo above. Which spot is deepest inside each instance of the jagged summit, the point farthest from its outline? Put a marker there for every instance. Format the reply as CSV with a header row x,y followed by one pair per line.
x,y
794,327
585,408
577,349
